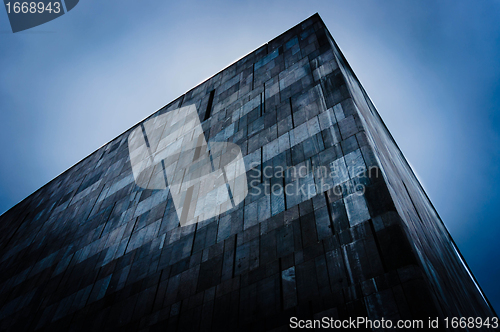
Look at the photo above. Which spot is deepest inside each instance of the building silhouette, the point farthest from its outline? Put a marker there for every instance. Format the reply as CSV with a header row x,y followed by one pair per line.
x,y
271,190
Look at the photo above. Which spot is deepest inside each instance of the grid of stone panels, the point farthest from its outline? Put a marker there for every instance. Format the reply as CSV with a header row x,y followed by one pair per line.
x,y
92,250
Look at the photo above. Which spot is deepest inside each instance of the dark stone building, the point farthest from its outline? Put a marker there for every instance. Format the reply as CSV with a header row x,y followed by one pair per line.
x,y
310,210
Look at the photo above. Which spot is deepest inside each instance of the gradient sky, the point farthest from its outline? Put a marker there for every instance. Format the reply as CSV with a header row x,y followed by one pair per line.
x,y
431,68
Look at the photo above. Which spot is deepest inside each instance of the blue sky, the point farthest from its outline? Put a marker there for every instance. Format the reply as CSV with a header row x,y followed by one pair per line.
x,y
431,68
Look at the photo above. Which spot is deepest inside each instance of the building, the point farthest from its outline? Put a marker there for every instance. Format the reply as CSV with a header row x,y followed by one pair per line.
x,y
271,190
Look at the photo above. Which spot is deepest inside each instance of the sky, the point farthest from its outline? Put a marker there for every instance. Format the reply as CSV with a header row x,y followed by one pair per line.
x,y
432,68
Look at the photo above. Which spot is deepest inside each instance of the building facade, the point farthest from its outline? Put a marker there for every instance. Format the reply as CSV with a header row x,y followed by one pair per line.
x,y
271,190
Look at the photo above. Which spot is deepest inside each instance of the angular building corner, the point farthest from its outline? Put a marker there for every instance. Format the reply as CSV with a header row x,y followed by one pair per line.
x,y
271,190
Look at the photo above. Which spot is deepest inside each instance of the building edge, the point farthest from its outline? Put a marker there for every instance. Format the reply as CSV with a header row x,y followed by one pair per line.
x,y
353,83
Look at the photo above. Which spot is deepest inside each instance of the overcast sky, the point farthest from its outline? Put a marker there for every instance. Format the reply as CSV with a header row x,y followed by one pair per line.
x,y
432,68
